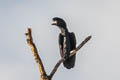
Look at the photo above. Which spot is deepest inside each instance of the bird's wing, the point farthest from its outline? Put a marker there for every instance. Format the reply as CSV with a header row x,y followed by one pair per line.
x,y
61,45
72,40
70,62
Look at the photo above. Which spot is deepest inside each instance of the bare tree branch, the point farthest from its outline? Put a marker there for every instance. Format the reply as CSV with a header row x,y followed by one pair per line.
x,y
44,76
73,52
56,67
35,52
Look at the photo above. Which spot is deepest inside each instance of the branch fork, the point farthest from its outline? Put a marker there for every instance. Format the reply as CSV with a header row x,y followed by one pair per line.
x,y
38,60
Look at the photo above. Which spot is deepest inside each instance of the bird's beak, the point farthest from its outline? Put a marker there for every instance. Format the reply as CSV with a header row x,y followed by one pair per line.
x,y
54,23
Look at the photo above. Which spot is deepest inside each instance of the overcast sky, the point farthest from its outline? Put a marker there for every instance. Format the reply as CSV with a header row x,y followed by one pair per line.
x,y
99,59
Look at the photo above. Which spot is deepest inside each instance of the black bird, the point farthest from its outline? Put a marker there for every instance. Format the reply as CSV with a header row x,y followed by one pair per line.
x,y
67,42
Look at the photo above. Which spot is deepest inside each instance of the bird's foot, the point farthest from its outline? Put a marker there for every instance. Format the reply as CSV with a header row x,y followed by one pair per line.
x,y
66,56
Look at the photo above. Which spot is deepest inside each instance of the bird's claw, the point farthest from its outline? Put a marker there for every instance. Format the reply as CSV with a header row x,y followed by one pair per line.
x,y
65,56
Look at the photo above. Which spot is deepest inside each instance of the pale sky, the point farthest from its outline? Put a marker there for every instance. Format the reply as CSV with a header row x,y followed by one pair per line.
x,y
99,59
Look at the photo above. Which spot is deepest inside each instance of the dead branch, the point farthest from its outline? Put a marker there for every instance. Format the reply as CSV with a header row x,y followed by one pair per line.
x,y
35,52
73,52
56,67
44,76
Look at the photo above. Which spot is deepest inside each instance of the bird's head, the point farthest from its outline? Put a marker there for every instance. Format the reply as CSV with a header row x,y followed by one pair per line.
x,y
59,22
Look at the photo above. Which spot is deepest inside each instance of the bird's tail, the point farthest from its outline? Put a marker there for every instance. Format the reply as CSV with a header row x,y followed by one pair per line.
x,y
70,62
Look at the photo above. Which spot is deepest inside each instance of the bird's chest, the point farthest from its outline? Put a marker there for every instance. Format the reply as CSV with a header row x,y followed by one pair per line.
x,y
66,44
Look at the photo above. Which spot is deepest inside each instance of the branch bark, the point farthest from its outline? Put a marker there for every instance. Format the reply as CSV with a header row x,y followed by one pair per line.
x,y
35,53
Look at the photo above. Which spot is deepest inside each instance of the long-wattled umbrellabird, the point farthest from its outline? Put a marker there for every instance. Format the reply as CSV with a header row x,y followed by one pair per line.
x,y
67,42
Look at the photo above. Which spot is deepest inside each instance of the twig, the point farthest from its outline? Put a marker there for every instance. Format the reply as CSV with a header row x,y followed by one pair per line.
x,y
56,67
73,52
35,52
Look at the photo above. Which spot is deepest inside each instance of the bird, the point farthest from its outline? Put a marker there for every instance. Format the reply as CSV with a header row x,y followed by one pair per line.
x,y
67,42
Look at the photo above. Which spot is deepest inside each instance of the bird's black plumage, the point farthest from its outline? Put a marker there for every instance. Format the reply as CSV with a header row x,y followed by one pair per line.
x,y
67,42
